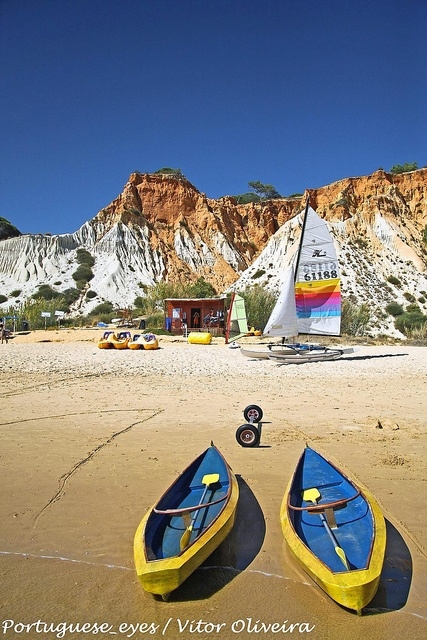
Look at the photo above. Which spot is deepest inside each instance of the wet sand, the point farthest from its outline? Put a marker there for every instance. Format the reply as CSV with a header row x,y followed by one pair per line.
x,y
91,438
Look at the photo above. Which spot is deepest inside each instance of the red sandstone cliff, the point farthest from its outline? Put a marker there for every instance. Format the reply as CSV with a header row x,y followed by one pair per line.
x,y
166,204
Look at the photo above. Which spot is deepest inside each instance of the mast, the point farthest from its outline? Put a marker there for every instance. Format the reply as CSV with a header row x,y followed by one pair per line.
x,y
304,222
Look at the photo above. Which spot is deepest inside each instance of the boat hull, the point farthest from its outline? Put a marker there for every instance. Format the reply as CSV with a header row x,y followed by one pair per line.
x,y
150,346
105,341
302,356
276,349
146,341
104,344
119,341
360,532
255,354
160,563
120,344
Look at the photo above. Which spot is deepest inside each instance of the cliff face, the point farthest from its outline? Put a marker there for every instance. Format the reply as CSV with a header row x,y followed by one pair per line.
x,y
195,235
162,227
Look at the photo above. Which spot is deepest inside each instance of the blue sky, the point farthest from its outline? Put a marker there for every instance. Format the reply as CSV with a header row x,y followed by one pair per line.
x,y
294,93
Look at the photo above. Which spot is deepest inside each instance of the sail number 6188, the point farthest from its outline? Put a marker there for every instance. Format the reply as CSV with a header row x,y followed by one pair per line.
x,y
320,275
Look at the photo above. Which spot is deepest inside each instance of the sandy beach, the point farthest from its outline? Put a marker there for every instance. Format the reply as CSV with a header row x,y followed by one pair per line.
x,y
91,438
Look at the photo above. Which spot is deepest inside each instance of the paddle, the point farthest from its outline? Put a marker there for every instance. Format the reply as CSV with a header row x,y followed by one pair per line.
x,y
312,495
208,479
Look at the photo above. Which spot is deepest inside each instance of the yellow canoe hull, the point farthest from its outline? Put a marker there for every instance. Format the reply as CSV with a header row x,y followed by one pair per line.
x,y
351,589
134,345
161,577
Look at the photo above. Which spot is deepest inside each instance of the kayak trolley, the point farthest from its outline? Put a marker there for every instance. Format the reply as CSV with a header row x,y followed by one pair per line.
x,y
249,435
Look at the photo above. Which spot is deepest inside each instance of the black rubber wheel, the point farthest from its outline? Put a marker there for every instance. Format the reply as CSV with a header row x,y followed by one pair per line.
x,y
253,413
247,435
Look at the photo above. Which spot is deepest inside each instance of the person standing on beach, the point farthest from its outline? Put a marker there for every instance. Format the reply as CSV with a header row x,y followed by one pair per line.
x,y
3,333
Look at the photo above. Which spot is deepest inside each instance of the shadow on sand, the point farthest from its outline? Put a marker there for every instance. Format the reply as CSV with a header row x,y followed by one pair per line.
x,y
383,355
396,576
235,554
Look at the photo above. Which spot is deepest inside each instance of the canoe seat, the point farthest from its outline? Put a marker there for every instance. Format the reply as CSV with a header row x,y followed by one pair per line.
x,y
330,518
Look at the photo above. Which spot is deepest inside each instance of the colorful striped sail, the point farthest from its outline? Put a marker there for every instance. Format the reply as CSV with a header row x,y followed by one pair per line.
x,y
317,286
310,303
318,306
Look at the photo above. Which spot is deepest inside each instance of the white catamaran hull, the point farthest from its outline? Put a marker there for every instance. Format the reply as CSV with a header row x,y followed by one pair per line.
x,y
255,354
263,353
302,356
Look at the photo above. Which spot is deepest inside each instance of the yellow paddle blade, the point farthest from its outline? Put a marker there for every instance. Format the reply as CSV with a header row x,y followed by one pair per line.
x,y
210,478
185,538
340,553
311,495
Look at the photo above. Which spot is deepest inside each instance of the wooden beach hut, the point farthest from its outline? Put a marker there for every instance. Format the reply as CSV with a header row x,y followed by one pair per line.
x,y
195,314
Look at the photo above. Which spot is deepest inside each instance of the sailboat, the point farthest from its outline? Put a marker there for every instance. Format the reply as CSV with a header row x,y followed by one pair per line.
x,y
237,323
310,298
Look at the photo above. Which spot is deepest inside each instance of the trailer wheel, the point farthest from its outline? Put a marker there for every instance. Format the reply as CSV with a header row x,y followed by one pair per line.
x,y
247,435
253,413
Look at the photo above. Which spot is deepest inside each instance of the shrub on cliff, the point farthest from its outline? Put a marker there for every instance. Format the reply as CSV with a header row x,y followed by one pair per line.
x,y
70,295
104,308
200,289
45,292
394,280
82,275
410,321
244,198
84,257
404,168
7,230
175,173
394,309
